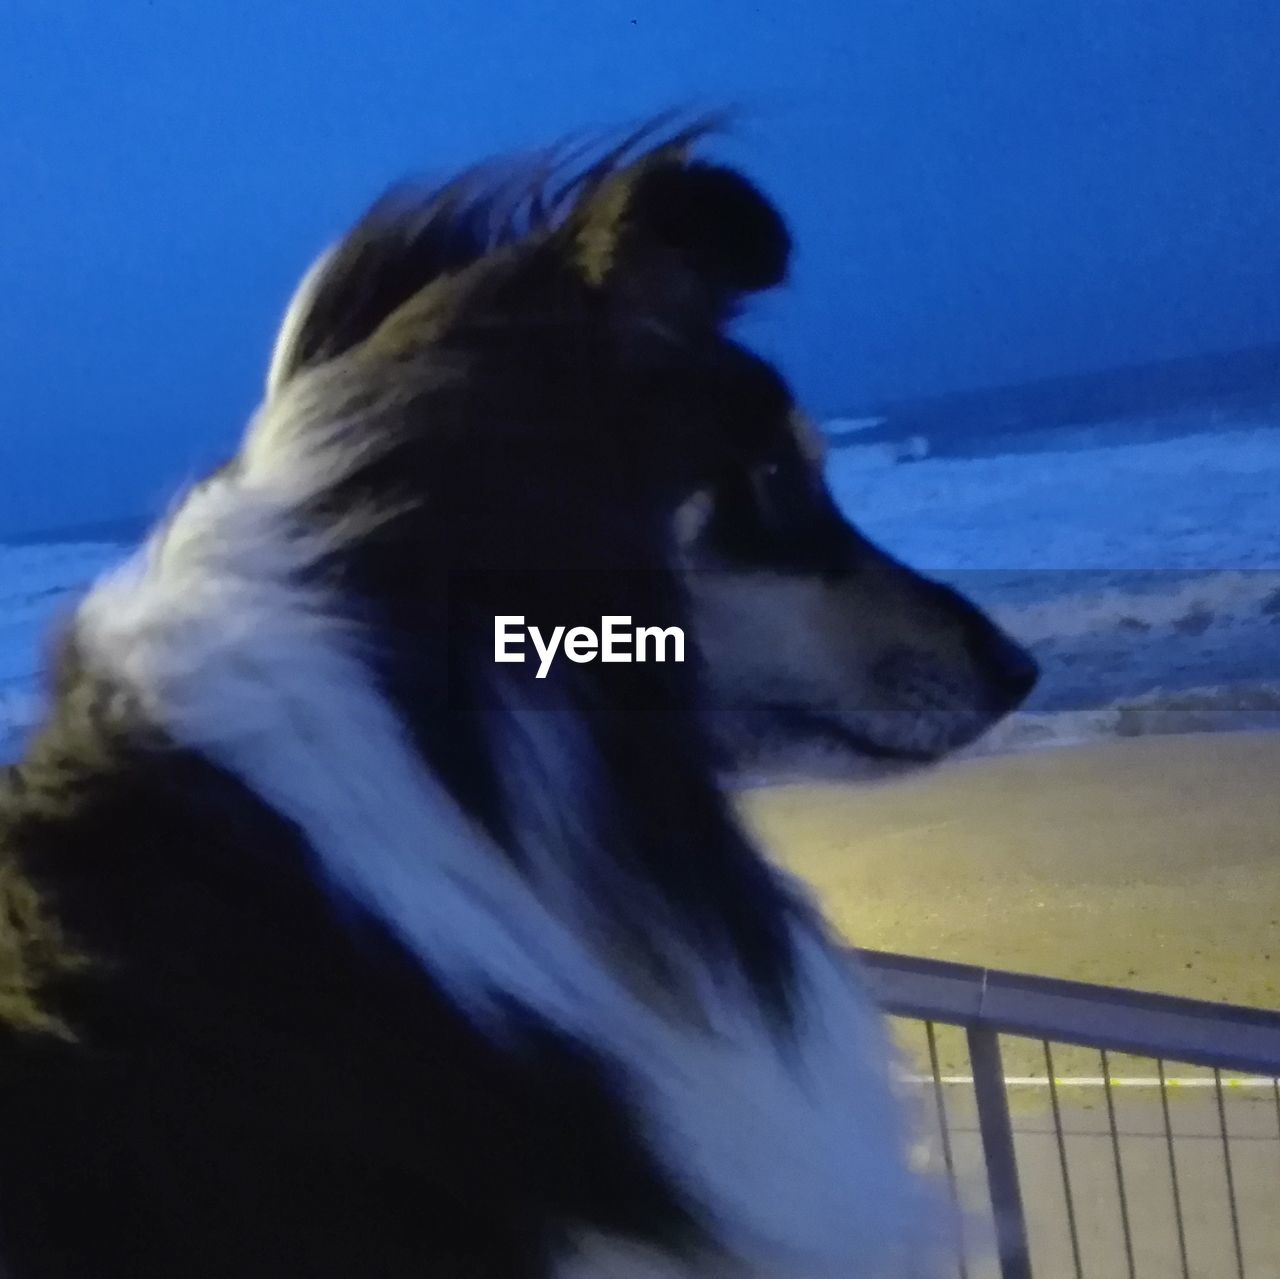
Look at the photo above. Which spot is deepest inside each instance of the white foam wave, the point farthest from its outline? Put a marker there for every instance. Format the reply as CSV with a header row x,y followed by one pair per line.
x,y
1188,606
1215,709
1199,502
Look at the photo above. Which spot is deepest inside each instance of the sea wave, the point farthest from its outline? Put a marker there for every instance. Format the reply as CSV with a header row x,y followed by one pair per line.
x,y
1148,602
1197,502
1217,709
1145,577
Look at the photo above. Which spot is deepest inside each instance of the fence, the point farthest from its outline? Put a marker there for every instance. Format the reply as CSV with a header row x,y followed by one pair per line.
x,y
1162,1173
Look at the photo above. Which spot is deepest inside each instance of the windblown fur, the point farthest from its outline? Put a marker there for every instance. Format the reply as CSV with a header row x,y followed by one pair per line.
x,y
328,946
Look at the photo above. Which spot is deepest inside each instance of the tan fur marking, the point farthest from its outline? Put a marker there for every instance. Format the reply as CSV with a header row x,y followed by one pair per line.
x,y
598,239
33,951
691,517
813,444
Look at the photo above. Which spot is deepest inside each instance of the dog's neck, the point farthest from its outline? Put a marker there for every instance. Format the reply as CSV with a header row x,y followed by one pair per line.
x,y
598,785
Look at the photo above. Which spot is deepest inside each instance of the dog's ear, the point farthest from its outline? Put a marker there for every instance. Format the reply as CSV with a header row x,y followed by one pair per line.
x,y
669,214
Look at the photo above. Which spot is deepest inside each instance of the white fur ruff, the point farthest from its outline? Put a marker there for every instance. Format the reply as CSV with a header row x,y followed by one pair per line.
x,y
796,1155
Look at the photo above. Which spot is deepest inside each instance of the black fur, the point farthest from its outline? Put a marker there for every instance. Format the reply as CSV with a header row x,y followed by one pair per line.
x,y
725,229
263,1085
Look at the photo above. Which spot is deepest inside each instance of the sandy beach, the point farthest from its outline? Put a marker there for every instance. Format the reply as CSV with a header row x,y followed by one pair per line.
x,y
1146,862
1149,862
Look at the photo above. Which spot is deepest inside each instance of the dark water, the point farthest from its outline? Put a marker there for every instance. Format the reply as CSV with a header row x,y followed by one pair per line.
x,y
977,439
1133,404
122,531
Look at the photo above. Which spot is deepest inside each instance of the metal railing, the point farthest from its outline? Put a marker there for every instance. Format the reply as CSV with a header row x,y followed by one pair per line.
x,y
1117,1174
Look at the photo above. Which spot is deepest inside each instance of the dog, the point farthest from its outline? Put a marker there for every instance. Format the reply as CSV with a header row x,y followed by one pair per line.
x,y
332,946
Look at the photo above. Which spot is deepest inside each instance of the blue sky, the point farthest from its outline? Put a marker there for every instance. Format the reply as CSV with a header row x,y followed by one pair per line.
x,y
982,190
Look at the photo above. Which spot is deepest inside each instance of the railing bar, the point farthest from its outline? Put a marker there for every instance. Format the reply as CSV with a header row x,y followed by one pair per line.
x,y
988,1004
1231,1181
1144,1025
944,1128
1062,1161
1173,1172
997,1147
1115,1149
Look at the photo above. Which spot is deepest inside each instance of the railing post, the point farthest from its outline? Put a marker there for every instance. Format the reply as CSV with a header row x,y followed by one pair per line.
x,y
997,1148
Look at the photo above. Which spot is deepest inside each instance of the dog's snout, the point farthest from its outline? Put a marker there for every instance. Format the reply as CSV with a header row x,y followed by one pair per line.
x,y
1009,669
1006,670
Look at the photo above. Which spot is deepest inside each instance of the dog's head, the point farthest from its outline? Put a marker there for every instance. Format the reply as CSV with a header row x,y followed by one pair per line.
x,y
556,356
813,635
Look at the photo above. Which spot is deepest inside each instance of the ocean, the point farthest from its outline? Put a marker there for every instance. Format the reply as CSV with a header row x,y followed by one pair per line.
x,y
1144,573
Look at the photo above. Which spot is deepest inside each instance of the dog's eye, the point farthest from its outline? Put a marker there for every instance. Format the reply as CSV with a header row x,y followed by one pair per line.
x,y
785,491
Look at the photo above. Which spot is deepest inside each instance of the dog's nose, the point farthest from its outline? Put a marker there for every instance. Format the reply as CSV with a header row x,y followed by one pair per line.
x,y
1009,669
